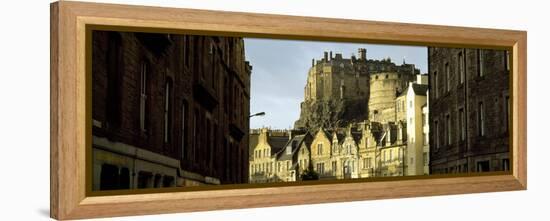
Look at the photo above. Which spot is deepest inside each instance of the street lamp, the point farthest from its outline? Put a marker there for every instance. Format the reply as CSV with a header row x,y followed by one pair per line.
x,y
257,114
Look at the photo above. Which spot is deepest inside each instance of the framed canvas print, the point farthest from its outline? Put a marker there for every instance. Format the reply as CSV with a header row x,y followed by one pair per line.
x,y
162,110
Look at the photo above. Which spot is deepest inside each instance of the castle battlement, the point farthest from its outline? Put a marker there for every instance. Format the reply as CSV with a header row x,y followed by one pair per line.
x,y
346,90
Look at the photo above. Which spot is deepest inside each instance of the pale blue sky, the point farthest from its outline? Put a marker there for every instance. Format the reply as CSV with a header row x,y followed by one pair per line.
x,y
279,72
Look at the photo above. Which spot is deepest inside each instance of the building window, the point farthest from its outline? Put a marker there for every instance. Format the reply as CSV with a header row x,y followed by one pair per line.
x,y
436,134
214,80
215,144
115,73
196,135
319,149
423,119
424,139
397,106
480,61
334,169
157,182
505,164
145,180
321,168
425,157
449,127
226,94
448,76
183,128
143,97
167,112
507,60
461,67
461,124
109,177
507,111
400,152
480,119
186,50
208,140
483,166
435,85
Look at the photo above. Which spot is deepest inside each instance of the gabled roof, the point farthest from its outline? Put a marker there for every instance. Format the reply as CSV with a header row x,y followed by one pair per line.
x,y
377,131
325,132
356,136
252,142
420,89
277,143
295,144
340,136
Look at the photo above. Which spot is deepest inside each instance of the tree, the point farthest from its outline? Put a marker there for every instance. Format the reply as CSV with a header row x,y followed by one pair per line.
x,y
309,174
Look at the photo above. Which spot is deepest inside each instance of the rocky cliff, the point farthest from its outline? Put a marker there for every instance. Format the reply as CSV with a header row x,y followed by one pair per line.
x,y
331,113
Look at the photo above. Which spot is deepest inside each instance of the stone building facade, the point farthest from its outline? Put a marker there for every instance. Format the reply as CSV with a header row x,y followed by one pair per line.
x,y
168,110
278,155
470,110
415,98
335,154
265,146
321,153
367,149
364,150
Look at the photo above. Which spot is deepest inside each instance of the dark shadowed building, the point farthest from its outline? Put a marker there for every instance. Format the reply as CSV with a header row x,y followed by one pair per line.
x,y
168,110
469,110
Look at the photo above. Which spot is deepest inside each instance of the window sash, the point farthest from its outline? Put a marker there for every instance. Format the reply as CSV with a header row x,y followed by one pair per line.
x,y
143,96
166,112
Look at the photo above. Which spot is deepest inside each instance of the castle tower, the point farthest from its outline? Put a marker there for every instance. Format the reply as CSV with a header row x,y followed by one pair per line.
x,y
333,84
387,81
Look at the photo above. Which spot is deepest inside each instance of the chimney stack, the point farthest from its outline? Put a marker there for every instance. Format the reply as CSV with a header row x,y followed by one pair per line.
x,y
326,56
362,54
290,134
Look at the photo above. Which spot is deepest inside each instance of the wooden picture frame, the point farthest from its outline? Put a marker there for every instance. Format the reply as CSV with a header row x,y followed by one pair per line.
x,y
69,128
